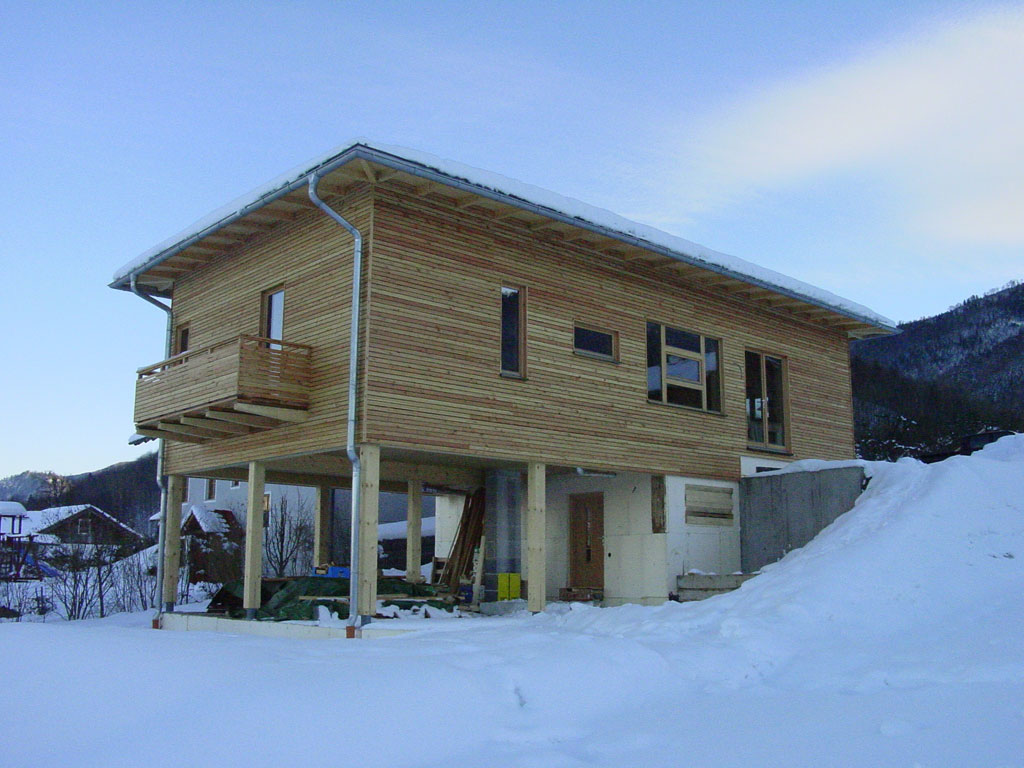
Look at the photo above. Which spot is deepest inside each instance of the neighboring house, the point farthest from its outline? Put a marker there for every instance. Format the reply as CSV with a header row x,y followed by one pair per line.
x,y
606,382
81,524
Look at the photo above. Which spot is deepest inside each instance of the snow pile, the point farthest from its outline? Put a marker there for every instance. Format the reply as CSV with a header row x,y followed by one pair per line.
x,y
892,593
895,638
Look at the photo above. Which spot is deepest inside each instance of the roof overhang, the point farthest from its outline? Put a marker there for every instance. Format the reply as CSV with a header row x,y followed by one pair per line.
x,y
155,275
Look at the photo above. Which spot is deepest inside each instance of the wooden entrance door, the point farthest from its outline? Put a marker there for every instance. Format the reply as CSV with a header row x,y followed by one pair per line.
x,y
586,540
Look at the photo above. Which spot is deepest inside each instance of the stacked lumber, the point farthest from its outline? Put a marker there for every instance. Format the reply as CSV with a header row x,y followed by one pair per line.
x,y
467,539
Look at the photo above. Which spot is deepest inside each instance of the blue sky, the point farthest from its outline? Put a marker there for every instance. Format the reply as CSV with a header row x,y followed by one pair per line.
x,y
871,149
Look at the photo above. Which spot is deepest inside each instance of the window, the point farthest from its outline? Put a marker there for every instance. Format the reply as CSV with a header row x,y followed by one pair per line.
x,y
181,339
513,322
272,321
211,489
683,368
766,396
708,505
235,483
592,342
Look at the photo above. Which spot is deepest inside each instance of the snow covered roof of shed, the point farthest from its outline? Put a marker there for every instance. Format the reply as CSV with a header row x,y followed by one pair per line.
x,y
208,520
509,191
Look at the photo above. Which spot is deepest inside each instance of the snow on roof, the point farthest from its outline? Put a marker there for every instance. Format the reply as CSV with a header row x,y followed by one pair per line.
x,y
44,518
511,191
41,519
209,520
11,508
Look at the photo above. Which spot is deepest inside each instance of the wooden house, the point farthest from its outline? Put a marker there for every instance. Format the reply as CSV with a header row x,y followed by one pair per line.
x,y
82,524
419,323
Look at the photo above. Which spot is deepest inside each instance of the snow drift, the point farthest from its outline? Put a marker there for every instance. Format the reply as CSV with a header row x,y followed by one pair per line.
x,y
895,638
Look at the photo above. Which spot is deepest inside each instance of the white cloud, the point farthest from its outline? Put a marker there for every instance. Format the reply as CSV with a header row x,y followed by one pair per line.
x,y
938,118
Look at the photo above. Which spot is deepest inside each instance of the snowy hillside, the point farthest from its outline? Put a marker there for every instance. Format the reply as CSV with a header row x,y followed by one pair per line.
x,y
895,638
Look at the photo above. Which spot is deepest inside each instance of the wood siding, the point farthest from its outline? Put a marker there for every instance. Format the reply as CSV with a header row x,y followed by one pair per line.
x,y
430,379
311,258
433,355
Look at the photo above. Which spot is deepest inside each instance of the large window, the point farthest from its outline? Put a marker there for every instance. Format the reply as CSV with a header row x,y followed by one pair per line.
x,y
513,322
683,368
766,400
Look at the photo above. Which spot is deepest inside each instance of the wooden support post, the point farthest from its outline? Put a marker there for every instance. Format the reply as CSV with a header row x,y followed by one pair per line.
x,y
536,533
369,510
414,532
254,540
322,526
176,485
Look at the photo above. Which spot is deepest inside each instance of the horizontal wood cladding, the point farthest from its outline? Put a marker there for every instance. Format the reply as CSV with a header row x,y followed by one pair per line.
x,y
433,352
311,258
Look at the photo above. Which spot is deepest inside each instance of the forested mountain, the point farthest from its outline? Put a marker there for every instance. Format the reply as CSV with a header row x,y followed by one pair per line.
x,y
127,490
942,377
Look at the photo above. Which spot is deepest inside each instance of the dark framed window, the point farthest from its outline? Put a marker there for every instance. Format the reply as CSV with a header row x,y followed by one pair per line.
x,y
272,315
765,395
211,489
181,338
513,331
683,368
594,342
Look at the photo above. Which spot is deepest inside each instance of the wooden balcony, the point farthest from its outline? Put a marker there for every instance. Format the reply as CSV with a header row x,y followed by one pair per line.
x,y
232,388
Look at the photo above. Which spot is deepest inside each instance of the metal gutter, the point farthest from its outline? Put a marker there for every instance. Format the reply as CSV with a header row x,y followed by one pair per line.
x,y
413,168
161,480
353,369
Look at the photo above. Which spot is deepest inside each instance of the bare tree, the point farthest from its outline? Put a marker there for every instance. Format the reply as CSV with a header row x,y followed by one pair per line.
x,y
73,587
288,540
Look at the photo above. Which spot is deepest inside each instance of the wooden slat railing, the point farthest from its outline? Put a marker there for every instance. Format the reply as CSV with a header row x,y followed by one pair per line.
x,y
250,369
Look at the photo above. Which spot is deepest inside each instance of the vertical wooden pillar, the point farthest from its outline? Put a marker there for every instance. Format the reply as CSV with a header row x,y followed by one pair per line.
x,y
414,532
176,486
322,526
536,533
369,510
254,540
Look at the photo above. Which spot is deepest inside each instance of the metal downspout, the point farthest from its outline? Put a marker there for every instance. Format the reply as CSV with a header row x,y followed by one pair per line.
x,y
353,369
161,481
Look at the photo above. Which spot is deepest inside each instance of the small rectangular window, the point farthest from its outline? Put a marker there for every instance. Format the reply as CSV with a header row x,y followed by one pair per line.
x,y
513,314
594,343
235,483
211,489
181,339
765,399
683,368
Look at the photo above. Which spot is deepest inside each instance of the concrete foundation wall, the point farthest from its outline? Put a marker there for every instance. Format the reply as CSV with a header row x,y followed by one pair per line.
x,y
780,512
706,548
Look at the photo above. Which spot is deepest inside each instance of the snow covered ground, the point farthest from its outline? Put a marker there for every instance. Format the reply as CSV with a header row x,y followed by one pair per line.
x,y
895,638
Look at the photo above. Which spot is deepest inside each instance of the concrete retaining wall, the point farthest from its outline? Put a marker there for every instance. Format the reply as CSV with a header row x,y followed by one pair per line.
x,y
780,512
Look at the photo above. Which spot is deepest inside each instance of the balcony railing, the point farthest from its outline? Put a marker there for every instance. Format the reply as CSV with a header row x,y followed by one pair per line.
x,y
224,390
